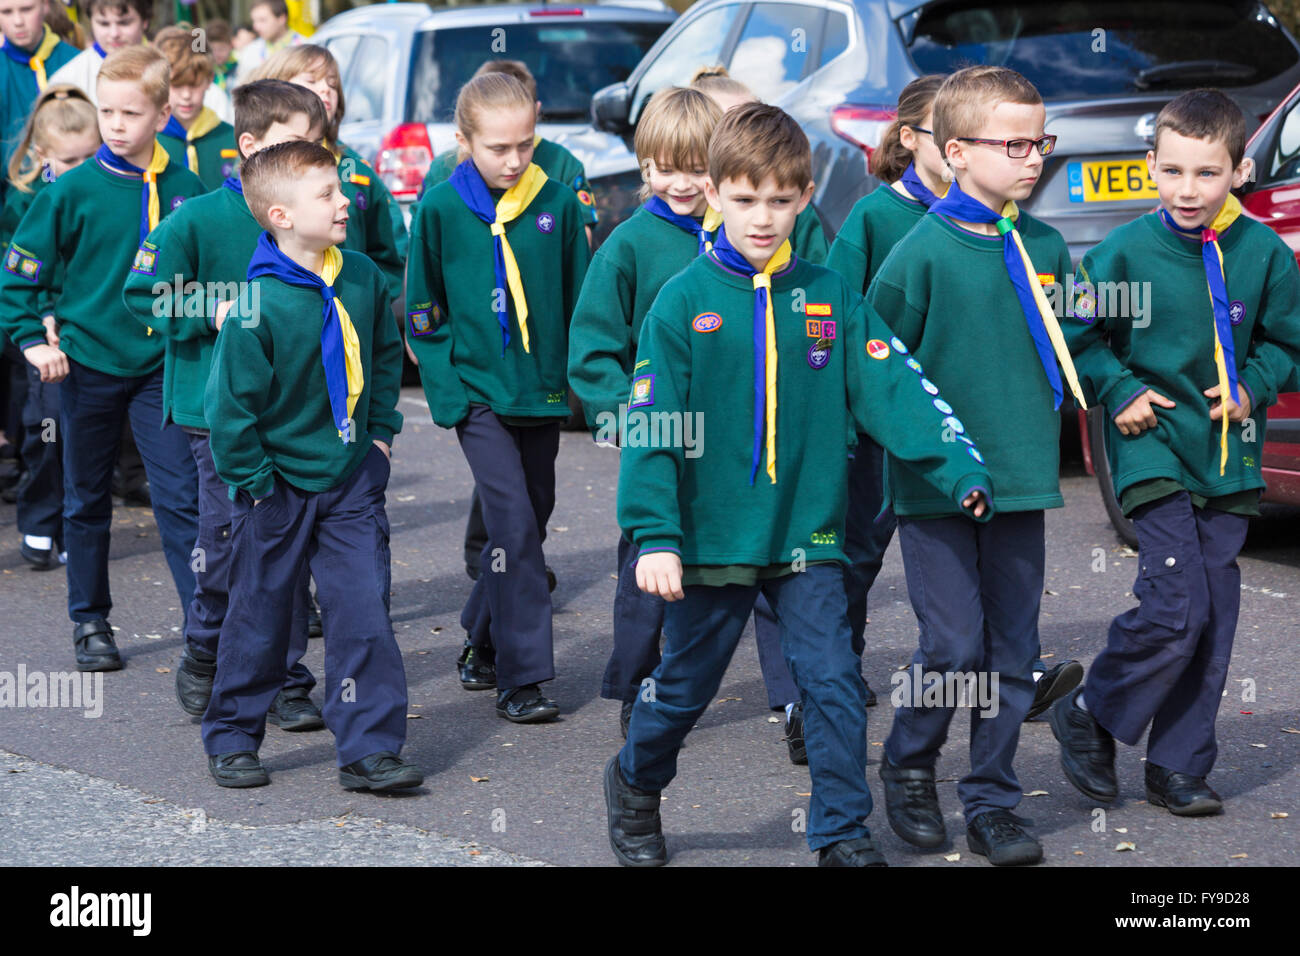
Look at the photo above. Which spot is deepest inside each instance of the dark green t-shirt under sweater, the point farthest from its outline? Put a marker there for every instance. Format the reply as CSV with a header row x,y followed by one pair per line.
x,y
196,258
88,221
1164,340
452,325
684,478
266,400
946,293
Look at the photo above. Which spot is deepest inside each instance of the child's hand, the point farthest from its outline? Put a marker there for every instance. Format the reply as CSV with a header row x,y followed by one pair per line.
x,y
660,573
52,363
51,331
388,452
1236,412
223,309
1139,415
976,503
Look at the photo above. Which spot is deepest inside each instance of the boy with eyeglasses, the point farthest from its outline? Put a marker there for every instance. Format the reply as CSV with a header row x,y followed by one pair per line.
x,y
963,292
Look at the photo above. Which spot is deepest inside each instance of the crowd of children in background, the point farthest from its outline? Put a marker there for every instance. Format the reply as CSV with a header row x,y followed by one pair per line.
x,y
908,375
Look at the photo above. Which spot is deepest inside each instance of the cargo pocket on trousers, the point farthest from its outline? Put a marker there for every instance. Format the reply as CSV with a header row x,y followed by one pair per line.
x,y
383,557
1163,590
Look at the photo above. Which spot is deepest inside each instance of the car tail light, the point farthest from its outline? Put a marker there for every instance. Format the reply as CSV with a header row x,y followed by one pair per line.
x,y
557,12
404,158
862,125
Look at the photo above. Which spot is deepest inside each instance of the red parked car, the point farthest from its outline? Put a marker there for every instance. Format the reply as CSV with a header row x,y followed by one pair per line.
x,y
1273,198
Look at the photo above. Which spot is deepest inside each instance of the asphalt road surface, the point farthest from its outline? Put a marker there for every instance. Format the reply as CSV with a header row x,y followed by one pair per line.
x,y
131,786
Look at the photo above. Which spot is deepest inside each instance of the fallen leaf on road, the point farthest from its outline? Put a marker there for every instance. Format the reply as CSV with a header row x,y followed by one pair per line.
x,y
800,794
478,779
774,720
1078,853
1260,746
723,700
1037,793
415,716
406,497
952,857
1121,829
153,637
1125,845
1239,856
1279,816
1290,730
475,852
162,670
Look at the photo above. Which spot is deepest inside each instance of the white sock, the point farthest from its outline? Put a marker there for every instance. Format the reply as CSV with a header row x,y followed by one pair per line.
x,y
37,542
788,707
1038,675
1078,702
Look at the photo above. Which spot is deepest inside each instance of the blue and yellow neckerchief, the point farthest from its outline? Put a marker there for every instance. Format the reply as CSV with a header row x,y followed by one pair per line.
x,y
473,191
1043,326
35,61
340,349
704,231
764,343
916,188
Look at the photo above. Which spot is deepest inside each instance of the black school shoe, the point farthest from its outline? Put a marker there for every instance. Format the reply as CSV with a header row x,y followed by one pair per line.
x,y
92,641
635,830
1000,835
315,627
239,769
526,705
475,673
912,804
1087,749
293,710
380,772
794,736
857,852
41,559
194,677
1180,793
1053,685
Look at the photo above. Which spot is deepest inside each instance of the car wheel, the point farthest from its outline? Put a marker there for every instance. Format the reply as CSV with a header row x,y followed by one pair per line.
x,y
1097,432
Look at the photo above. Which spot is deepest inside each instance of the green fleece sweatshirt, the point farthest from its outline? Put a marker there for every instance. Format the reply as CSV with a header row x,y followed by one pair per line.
x,y
266,400
217,153
873,227
946,293
88,222
452,325
196,258
1164,340
684,478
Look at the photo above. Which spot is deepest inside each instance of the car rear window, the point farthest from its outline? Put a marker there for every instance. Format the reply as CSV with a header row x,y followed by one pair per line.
x,y
570,59
1073,50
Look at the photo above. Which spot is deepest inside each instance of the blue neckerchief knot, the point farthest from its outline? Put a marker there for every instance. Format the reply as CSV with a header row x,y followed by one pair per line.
x,y
658,207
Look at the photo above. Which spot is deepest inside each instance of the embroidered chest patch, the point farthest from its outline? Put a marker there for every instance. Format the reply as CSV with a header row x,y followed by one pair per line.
x,y
707,322
643,390
545,223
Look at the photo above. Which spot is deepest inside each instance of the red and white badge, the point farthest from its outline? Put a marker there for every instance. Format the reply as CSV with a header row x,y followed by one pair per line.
x,y
878,349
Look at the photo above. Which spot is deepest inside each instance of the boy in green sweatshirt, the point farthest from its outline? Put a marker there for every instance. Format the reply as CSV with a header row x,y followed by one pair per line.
x,y
302,406
32,52
781,360
963,292
195,137
197,262
91,222
1185,381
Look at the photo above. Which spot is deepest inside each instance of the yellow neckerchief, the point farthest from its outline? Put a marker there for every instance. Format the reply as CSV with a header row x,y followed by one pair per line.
x,y
712,220
37,63
351,344
1222,220
763,280
509,207
203,124
1011,211
156,165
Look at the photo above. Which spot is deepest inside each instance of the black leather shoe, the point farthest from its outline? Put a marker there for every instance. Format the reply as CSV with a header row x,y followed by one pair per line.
x,y
239,769
526,705
293,710
315,628
857,852
194,677
1000,835
871,694
41,559
472,571
93,643
550,579
794,736
635,831
912,804
1180,793
1053,685
625,715
380,772
1087,750
475,672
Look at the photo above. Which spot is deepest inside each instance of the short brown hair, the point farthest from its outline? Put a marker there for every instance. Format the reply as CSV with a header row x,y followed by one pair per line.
x,y
278,7
675,127
966,98
143,66
189,67
516,68
307,58
143,7
268,174
262,103
218,31
754,141
1205,114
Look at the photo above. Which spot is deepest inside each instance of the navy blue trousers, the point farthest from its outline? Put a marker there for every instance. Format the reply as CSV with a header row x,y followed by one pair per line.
x,y
40,496
700,635
975,589
212,571
1166,660
508,614
94,406
342,536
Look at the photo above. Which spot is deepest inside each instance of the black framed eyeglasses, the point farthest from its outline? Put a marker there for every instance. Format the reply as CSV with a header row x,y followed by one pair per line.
x,y
1016,148
920,129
